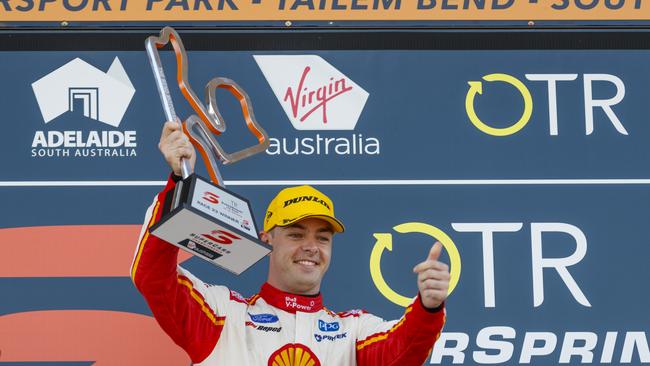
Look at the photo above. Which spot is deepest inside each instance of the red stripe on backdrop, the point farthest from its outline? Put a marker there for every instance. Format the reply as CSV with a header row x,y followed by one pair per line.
x,y
69,251
107,337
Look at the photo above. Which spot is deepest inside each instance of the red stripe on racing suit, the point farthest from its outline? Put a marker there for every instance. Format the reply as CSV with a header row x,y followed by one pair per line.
x,y
176,301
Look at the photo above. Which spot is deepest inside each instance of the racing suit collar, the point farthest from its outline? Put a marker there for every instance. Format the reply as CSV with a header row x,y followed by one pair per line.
x,y
291,302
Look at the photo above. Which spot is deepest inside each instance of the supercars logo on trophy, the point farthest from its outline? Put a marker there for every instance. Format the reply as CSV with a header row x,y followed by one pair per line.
x,y
199,205
210,197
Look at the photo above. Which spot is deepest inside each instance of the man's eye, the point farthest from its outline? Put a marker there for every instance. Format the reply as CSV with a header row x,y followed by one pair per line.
x,y
295,235
324,239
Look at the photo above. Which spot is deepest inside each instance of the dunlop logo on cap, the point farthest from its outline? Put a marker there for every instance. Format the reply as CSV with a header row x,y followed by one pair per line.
x,y
306,198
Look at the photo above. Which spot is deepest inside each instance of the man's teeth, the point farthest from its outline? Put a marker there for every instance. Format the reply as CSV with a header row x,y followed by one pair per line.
x,y
307,263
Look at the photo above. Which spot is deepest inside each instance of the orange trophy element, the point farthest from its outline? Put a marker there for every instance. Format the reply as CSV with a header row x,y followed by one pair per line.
x,y
205,219
198,126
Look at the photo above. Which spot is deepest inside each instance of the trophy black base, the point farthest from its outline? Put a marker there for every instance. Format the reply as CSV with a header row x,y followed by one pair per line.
x,y
212,223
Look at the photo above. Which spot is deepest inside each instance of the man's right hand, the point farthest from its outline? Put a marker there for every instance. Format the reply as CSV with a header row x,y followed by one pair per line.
x,y
174,145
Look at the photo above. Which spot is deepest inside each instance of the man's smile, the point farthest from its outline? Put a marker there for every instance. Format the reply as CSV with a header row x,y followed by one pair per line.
x,y
306,262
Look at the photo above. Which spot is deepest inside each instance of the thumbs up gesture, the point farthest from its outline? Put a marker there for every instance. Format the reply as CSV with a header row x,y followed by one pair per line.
x,y
433,278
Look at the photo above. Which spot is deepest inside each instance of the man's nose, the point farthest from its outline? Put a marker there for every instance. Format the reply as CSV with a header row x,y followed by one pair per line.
x,y
310,244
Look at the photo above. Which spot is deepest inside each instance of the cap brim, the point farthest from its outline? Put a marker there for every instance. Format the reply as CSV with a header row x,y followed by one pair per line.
x,y
337,225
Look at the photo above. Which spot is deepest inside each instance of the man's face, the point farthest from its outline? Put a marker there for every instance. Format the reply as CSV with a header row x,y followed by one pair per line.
x,y
301,255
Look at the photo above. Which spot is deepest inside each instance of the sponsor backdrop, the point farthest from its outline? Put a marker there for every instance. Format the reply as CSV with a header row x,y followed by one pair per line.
x,y
322,10
531,167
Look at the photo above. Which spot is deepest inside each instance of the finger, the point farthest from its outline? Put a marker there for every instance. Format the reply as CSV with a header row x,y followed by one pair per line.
x,y
168,128
176,136
176,149
185,142
175,141
188,146
431,284
435,274
434,253
428,264
186,153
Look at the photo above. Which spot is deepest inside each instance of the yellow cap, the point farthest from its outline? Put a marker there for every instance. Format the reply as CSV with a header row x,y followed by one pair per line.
x,y
296,203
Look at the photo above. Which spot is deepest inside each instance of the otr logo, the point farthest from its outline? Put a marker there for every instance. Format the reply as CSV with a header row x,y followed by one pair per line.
x,y
487,232
385,241
590,104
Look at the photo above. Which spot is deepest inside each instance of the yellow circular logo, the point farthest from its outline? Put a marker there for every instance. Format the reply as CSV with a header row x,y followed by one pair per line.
x,y
476,87
385,241
293,354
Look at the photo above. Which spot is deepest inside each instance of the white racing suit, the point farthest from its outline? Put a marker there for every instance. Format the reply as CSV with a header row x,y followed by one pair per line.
x,y
217,326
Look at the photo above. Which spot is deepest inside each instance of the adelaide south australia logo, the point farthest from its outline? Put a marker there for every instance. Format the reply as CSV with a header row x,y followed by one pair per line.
x,y
89,98
316,97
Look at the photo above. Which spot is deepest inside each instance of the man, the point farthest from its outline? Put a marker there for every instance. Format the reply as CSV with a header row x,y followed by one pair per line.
x,y
285,324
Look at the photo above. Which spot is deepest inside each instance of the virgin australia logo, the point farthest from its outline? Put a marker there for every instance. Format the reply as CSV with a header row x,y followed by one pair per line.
x,y
313,93
304,102
82,88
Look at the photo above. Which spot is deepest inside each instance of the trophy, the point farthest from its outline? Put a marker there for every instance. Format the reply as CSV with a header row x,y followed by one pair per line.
x,y
204,218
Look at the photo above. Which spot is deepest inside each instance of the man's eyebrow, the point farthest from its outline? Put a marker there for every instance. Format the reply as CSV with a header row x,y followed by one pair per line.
x,y
296,226
327,229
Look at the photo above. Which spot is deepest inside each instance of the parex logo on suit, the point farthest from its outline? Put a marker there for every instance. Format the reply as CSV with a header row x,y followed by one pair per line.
x,y
83,89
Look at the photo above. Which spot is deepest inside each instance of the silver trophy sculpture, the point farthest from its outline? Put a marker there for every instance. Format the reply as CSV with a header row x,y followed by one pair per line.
x,y
204,218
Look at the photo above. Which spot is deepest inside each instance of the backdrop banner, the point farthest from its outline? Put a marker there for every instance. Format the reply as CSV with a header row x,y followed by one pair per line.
x,y
531,167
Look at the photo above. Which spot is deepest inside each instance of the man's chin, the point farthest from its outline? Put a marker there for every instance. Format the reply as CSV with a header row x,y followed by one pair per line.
x,y
307,280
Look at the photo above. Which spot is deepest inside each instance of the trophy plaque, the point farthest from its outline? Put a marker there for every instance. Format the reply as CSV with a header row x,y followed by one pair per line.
x,y
203,217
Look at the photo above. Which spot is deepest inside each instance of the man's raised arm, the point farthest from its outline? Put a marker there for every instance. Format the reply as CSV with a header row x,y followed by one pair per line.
x,y
191,316
409,340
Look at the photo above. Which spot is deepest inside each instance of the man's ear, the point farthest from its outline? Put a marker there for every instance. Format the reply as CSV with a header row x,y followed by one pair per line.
x,y
265,237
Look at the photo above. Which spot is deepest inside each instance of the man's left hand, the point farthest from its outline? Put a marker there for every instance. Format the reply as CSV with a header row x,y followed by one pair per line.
x,y
433,278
